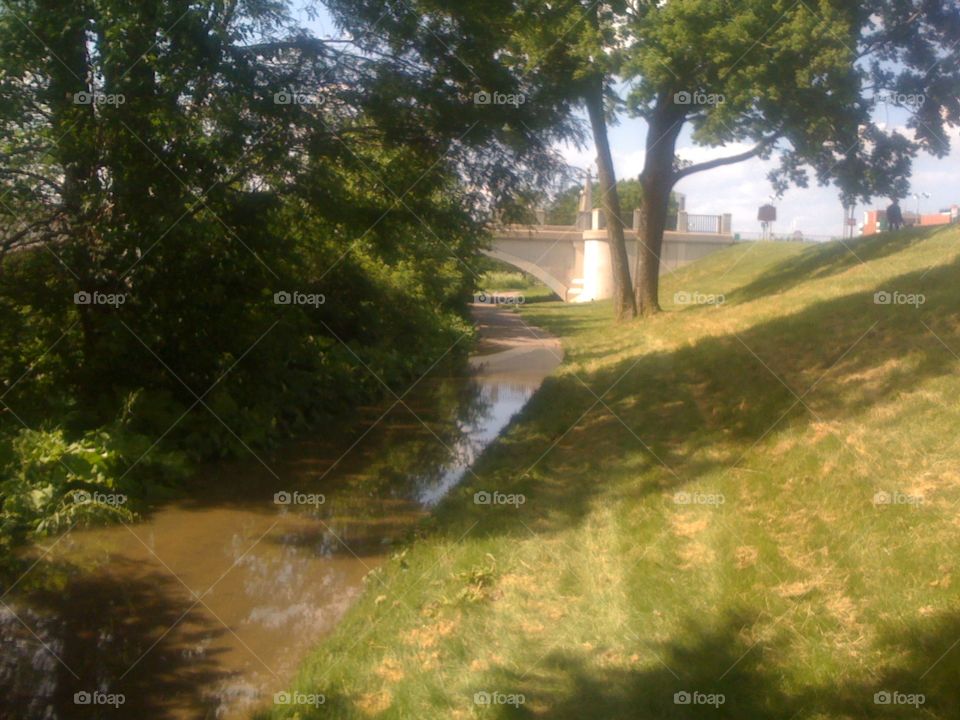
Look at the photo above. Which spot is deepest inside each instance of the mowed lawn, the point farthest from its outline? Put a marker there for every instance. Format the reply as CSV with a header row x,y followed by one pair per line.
x,y
754,502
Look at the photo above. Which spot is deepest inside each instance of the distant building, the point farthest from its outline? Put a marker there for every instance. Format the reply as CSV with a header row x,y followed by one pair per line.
x,y
876,220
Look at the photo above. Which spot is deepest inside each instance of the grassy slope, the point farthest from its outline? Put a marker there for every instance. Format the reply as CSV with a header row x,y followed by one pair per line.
x,y
601,597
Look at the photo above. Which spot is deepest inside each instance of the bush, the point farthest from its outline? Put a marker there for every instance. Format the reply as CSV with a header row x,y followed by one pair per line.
x,y
52,484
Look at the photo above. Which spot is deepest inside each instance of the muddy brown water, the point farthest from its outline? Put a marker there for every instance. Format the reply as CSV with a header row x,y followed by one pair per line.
x,y
205,608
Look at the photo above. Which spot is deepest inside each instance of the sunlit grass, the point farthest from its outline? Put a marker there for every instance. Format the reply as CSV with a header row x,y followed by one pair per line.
x,y
756,498
518,283
507,280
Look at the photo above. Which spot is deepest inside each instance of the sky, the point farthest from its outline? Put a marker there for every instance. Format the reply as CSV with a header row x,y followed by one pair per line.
x,y
742,188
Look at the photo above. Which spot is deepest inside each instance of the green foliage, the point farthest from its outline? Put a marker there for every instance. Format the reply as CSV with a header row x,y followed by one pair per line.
x,y
508,280
808,89
562,210
52,484
478,582
176,180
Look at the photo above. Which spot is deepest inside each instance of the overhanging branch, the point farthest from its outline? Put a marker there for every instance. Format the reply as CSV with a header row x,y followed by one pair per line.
x,y
731,160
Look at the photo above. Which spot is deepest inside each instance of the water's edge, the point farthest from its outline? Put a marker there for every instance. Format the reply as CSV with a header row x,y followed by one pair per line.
x,y
207,606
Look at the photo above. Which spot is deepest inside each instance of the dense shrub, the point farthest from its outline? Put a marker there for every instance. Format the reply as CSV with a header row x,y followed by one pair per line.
x,y
51,483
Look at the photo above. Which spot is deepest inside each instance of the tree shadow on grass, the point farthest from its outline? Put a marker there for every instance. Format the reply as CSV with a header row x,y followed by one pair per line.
x,y
717,673
920,667
727,668
921,680
701,408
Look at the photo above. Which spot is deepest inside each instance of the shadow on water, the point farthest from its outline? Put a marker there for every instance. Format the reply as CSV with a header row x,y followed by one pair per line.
x,y
77,632
205,607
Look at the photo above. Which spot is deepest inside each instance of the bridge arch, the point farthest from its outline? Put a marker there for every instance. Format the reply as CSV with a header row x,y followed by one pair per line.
x,y
528,267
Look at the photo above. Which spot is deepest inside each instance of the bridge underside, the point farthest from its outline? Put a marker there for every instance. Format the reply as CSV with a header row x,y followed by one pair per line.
x,y
560,287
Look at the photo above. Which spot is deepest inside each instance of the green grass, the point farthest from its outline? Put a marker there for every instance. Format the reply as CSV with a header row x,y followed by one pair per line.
x,y
797,401
508,280
532,290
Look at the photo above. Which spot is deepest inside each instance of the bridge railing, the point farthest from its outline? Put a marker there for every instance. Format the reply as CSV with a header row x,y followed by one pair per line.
x,y
682,222
672,221
704,224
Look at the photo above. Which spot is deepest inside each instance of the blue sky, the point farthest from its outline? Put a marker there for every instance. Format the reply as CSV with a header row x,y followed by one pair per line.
x,y
740,189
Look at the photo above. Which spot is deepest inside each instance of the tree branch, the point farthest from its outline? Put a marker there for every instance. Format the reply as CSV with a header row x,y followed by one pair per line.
x,y
313,44
731,160
13,242
26,173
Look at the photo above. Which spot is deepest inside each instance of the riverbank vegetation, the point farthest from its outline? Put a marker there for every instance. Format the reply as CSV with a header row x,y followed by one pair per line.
x,y
218,230
754,499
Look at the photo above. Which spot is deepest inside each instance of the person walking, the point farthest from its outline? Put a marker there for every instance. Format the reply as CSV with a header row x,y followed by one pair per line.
x,y
894,216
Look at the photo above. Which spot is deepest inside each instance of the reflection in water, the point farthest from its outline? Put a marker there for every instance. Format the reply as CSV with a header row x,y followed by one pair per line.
x,y
205,608
501,402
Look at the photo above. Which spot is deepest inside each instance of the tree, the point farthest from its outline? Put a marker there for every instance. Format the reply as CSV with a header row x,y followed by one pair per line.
x,y
562,208
197,157
553,55
447,69
572,43
798,79
624,306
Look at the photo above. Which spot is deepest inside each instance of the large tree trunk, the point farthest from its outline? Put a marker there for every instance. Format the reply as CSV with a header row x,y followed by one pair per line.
x,y
657,180
623,301
653,221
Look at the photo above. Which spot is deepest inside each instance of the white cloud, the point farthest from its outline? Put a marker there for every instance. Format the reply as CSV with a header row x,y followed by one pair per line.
x,y
740,189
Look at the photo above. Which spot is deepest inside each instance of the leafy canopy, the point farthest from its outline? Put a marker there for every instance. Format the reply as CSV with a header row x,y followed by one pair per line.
x,y
801,77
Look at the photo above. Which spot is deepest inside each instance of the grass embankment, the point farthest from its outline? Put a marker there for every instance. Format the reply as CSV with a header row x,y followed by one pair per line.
x,y
702,513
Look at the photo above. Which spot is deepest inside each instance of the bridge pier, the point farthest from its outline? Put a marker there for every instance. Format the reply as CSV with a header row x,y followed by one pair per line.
x,y
597,274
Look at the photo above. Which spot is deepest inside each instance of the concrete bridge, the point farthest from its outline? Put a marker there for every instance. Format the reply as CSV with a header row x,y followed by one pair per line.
x,y
574,260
